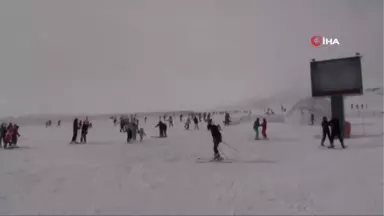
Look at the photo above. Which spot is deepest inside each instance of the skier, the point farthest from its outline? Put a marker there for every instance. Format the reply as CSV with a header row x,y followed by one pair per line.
x,y
336,132
256,126
84,131
181,117
196,121
59,123
142,134
264,128
145,119
217,139
326,133
75,129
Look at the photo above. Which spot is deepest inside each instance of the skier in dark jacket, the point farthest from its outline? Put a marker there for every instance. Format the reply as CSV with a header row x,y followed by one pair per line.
x,y
336,132
325,129
217,139
75,130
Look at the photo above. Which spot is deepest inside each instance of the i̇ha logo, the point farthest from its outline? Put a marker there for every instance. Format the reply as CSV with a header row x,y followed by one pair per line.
x,y
318,41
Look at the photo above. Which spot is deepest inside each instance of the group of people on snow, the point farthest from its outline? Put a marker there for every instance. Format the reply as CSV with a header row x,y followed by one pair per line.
x,y
263,125
334,132
9,135
83,126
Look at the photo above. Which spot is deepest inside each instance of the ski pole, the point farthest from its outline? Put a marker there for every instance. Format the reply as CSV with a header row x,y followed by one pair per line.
x,y
231,147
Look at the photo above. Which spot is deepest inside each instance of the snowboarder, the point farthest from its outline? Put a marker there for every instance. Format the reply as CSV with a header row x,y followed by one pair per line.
x,y
264,128
336,132
217,139
256,126
75,130
142,134
325,129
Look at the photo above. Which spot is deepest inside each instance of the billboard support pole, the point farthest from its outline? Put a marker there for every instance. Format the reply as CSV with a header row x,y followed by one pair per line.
x,y
337,107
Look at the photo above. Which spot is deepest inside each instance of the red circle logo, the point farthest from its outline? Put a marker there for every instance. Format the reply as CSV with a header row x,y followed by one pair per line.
x,y
316,41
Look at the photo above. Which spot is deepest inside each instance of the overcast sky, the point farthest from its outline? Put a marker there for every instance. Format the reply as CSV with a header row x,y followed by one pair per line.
x,y
95,56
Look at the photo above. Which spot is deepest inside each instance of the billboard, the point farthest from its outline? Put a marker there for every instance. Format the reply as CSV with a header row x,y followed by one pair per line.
x,y
337,77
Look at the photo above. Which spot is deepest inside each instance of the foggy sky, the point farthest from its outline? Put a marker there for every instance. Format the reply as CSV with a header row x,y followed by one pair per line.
x,y
95,56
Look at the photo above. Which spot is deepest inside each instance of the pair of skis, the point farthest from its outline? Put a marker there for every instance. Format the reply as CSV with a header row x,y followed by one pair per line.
x,y
213,160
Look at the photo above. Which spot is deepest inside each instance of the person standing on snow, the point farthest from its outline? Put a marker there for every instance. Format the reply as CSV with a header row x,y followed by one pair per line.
x,y
326,133
196,121
84,131
128,130
217,139
312,119
3,132
170,121
264,128
142,134
256,126
75,130
336,132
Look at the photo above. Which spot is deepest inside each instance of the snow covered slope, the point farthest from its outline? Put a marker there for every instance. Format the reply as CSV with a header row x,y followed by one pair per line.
x,y
288,174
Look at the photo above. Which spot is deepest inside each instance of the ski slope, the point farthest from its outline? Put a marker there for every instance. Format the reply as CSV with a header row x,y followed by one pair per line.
x,y
289,174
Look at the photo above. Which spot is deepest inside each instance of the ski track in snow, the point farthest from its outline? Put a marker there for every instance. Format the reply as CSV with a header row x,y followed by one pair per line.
x,y
287,174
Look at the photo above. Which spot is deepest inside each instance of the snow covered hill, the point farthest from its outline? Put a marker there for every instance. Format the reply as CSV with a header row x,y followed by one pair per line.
x,y
288,174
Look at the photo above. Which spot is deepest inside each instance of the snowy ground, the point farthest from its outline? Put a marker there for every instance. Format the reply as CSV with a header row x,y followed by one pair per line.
x,y
289,174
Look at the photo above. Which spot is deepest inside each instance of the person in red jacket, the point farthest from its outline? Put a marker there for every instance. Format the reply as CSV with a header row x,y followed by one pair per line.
x,y
264,128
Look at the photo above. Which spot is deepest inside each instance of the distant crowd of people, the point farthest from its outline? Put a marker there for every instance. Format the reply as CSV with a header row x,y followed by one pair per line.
x,y
9,135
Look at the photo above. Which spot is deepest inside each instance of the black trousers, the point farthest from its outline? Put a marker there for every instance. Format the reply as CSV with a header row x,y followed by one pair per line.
x,y
337,135
216,142
83,137
129,135
74,137
325,135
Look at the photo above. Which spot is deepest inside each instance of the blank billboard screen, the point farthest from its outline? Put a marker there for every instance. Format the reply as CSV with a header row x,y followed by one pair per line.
x,y
338,76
